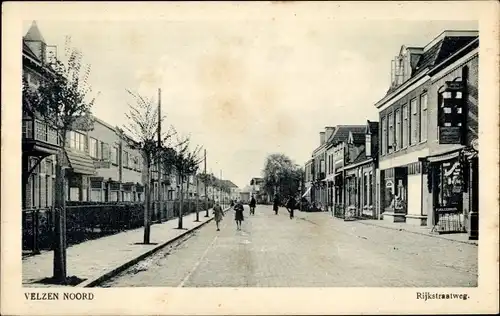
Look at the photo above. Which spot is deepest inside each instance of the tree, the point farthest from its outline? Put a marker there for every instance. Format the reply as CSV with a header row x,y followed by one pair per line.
x,y
143,125
63,101
186,163
281,175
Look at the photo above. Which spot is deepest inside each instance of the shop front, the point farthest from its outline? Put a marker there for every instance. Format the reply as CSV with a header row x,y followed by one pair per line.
x,y
452,182
338,191
395,194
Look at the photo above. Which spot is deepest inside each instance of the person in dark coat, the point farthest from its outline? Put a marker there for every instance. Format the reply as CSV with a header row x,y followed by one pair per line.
x,y
218,214
252,205
238,214
291,205
276,204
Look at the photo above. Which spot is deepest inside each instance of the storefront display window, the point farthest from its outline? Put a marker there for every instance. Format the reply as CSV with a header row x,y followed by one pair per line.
x,y
450,185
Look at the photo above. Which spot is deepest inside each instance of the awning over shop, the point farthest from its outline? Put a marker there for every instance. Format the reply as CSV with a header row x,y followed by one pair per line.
x,y
444,157
80,162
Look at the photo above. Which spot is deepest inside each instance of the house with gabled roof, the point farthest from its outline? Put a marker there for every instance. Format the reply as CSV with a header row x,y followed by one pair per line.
x,y
416,125
343,146
359,173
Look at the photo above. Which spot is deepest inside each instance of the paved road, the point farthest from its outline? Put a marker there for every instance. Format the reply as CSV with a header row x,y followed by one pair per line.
x,y
313,249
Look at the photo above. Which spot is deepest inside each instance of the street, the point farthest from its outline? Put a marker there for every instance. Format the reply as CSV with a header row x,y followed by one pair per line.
x,y
312,250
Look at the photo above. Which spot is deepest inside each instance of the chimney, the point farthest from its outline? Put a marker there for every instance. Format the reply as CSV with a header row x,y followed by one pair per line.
x,y
329,132
321,138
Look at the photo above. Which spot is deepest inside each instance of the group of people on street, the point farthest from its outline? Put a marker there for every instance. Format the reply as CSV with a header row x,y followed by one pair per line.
x,y
291,205
238,212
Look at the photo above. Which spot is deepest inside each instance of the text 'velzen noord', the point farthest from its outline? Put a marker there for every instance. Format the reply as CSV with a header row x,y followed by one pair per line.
x,y
54,296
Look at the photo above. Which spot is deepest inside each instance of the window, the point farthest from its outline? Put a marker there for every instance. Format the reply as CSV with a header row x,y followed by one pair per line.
x,y
423,117
105,152
398,130
390,142
114,155
413,122
77,141
125,159
366,188
406,127
383,139
370,179
93,147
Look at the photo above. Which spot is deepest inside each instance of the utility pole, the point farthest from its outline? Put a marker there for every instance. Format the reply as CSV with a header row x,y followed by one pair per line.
x,y
160,171
205,178
221,193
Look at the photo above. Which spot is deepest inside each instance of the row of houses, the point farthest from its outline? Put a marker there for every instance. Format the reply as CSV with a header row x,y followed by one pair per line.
x,y
102,167
418,163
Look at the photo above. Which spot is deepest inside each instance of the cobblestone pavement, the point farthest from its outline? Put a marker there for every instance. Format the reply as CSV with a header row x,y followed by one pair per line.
x,y
313,249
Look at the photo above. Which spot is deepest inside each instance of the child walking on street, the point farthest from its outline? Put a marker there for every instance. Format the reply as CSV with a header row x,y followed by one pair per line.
x,y
238,216
218,214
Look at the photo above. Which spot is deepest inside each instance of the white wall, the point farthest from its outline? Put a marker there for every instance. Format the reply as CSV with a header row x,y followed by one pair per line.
x,y
414,194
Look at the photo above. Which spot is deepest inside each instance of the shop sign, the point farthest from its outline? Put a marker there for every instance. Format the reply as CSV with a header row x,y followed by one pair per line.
x,y
450,135
446,209
453,85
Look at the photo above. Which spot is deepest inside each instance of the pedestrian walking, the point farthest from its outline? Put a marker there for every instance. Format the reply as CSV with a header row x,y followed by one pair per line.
x,y
218,214
238,214
252,205
276,204
291,205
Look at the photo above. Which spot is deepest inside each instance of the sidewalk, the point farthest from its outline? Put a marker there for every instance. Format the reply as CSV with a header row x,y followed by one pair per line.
x,y
102,258
421,230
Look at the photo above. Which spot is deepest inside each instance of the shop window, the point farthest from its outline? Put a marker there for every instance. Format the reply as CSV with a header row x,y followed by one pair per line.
x,y
450,184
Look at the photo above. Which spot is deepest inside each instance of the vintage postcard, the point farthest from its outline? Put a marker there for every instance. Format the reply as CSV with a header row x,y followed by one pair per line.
x,y
250,158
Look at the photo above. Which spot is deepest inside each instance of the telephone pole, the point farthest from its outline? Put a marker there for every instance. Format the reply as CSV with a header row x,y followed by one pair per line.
x,y
160,171
205,178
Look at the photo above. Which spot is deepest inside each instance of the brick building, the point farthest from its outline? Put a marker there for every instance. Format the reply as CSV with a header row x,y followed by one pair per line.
x,y
408,131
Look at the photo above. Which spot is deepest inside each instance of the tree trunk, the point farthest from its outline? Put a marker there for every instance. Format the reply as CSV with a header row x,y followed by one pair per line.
x,y
147,201
188,197
197,200
181,202
59,268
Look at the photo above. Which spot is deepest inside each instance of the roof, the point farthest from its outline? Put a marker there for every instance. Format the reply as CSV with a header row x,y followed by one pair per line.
x,y
34,34
230,184
445,45
27,50
341,133
361,157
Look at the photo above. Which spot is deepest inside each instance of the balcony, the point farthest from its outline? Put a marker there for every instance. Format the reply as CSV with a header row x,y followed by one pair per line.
x,y
38,136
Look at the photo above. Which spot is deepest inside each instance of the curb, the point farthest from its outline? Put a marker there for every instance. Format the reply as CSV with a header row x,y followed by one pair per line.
x,y
418,233
98,280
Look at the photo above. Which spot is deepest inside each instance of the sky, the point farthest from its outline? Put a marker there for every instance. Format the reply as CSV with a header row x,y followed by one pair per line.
x,y
244,90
